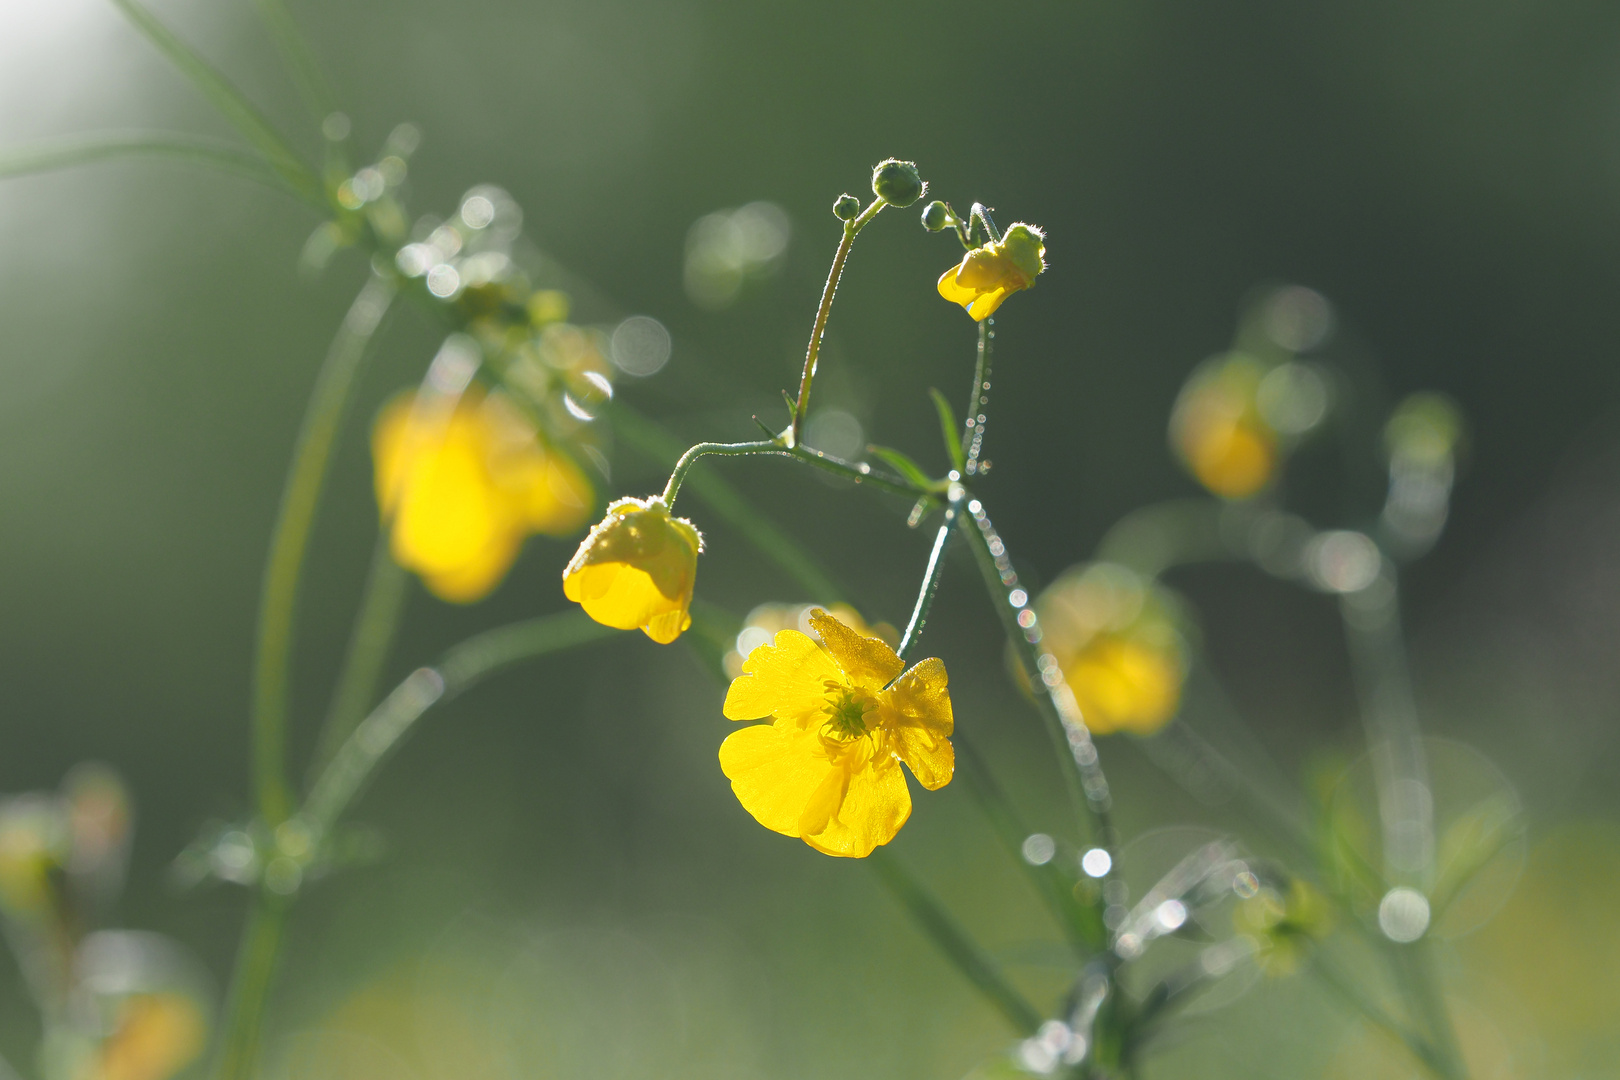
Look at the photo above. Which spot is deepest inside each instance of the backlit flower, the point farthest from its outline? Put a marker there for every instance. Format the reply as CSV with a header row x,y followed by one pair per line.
x,y
1116,639
461,487
766,620
636,569
155,1036
1219,431
989,274
844,715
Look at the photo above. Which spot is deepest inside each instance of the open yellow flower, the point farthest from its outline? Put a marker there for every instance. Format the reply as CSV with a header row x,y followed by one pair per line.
x,y
1218,430
989,274
1116,639
461,488
636,569
843,717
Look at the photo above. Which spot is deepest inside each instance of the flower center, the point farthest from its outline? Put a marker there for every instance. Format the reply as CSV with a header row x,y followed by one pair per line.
x,y
846,711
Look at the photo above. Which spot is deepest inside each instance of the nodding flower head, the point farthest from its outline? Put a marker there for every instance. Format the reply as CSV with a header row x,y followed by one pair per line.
x,y
988,275
636,569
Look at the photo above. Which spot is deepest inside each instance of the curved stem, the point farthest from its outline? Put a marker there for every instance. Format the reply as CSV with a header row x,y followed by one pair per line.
x,y
819,327
799,564
860,474
290,540
82,149
462,667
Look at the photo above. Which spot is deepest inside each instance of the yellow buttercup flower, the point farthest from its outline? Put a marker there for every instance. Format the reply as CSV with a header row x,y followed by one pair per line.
x,y
989,274
766,620
1219,432
156,1036
461,488
636,569
843,717
1116,639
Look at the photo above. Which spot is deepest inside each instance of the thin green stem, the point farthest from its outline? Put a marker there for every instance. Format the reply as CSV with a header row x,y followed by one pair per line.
x,y
859,474
1076,753
690,458
954,942
82,149
290,540
230,102
251,978
302,67
931,578
973,425
828,291
375,626
652,441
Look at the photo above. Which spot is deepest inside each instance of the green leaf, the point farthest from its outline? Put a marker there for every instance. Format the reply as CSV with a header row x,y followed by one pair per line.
x,y
231,103
949,428
905,467
83,149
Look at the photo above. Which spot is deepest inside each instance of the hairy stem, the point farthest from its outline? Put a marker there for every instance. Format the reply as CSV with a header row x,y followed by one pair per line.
x,y
973,426
812,352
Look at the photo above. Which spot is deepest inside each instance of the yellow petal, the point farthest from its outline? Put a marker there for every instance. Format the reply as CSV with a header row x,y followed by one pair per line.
x,y
916,715
477,575
987,303
872,805
774,770
984,269
868,661
618,595
786,679
956,293
667,626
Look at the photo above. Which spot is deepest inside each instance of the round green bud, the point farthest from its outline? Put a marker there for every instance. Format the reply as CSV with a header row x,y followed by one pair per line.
x,y
936,216
898,183
846,206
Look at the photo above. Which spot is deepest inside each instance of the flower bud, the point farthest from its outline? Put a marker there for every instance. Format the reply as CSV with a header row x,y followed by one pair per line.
x,y
636,569
935,216
846,206
898,183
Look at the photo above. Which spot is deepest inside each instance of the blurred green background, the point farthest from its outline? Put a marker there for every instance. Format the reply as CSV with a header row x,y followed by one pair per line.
x,y
570,889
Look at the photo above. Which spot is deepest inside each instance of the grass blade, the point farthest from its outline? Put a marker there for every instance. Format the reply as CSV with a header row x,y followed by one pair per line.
x,y
68,152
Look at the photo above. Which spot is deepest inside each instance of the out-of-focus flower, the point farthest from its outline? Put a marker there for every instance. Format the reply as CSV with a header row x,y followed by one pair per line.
x,y
462,487
636,569
1117,640
843,717
988,275
766,620
34,842
1282,928
1219,431
154,1036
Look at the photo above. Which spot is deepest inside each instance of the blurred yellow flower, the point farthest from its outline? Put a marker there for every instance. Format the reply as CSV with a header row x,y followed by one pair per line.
x,y
1116,639
636,569
156,1035
33,846
461,488
988,275
843,717
1218,431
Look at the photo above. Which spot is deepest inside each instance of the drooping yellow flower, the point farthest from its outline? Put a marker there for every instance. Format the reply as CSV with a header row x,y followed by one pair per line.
x,y
1218,430
461,488
636,569
1116,639
843,717
989,274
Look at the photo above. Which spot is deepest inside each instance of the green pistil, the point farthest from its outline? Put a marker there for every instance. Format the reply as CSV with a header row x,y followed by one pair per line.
x,y
846,712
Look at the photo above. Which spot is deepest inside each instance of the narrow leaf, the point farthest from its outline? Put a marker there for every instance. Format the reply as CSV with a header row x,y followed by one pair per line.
x,y
904,466
231,103
950,429
83,149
